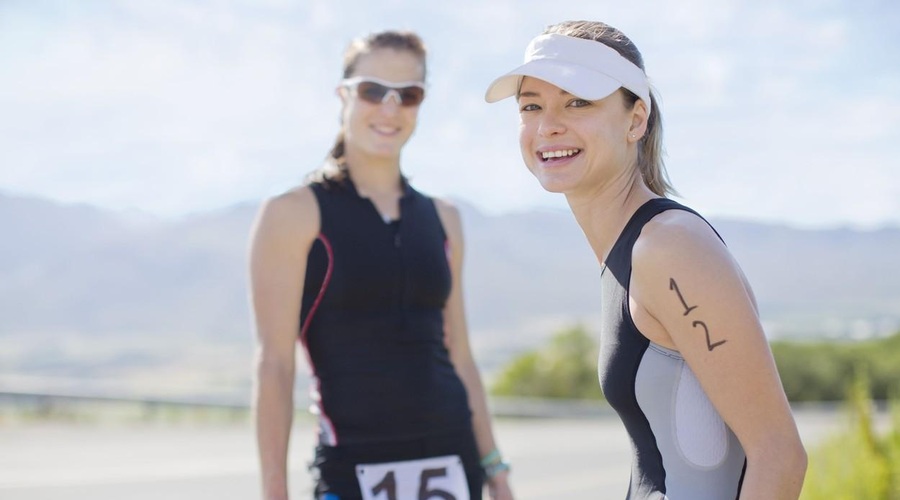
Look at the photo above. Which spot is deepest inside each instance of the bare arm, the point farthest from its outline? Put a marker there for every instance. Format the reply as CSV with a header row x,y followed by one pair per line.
x,y
457,334
284,232
687,281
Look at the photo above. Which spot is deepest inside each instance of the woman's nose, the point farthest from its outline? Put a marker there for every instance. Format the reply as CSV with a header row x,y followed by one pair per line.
x,y
550,124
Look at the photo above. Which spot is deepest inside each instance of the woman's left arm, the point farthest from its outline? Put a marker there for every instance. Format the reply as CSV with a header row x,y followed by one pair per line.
x,y
687,282
457,340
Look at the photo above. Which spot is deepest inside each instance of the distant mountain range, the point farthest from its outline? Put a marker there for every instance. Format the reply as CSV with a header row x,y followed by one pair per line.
x,y
82,271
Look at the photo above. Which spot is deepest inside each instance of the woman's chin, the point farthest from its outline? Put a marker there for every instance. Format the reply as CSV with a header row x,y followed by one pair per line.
x,y
554,185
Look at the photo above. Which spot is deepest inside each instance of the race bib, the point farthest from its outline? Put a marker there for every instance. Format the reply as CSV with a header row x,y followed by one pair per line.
x,y
438,478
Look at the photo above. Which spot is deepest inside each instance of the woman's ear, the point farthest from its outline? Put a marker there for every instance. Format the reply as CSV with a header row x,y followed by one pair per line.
x,y
639,119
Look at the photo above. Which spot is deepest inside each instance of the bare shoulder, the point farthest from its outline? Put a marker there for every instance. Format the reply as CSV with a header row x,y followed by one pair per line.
x,y
679,251
680,239
299,201
293,214
679,262
450,217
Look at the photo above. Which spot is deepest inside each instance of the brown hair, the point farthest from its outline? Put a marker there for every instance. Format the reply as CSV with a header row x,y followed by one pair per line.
x,y
650,150
408,41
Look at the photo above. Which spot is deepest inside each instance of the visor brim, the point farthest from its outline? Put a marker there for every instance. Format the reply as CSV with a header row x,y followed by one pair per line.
x,y
574,79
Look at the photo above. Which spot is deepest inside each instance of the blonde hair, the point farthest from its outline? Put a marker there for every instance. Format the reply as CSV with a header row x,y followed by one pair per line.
x,y
650,149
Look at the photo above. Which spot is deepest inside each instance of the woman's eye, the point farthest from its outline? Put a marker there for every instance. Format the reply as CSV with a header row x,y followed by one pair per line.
x,y
530,107
579,103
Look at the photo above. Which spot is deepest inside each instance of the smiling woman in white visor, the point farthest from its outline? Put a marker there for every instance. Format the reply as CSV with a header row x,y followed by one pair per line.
x,y
582,67
683,357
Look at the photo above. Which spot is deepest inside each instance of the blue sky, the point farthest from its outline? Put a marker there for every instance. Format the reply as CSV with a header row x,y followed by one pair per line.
x,y
775,111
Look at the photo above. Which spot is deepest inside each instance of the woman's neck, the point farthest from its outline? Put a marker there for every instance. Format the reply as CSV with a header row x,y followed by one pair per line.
x,y
374,177
603,213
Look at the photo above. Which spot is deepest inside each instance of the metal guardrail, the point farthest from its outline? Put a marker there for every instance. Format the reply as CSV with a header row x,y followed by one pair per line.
x,y
548,408
11,396
500,406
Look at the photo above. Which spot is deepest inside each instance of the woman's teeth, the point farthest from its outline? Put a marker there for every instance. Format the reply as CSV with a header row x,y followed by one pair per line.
x,y
559,153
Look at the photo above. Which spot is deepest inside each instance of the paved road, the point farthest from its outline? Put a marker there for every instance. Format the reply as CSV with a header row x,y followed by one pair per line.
x,y
573,459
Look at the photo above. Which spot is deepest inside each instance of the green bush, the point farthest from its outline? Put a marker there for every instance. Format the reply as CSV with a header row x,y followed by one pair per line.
x,y
565,368
858,464
821,371
810,371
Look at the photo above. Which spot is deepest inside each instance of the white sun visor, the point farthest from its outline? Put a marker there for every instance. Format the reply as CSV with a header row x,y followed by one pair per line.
x,y
585,68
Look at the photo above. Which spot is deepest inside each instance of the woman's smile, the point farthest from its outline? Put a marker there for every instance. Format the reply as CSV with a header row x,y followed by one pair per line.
x,y
557,156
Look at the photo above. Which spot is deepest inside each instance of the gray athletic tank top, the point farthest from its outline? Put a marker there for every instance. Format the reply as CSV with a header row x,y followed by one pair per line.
x,y
681,448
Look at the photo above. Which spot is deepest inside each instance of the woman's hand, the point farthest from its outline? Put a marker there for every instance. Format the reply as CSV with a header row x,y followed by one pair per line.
x,y
498,486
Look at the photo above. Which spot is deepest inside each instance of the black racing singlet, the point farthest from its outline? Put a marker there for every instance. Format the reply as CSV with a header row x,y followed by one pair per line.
x,y
372,321
682,449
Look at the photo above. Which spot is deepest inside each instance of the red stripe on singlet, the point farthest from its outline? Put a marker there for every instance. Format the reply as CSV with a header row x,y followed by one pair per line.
x,y
304,330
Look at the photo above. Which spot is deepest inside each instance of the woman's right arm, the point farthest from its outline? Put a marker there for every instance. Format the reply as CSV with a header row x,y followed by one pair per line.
x,y
284,231
689,285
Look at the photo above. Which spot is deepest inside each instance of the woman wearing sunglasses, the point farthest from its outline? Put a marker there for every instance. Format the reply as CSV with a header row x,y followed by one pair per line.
x,y
365,272
683,357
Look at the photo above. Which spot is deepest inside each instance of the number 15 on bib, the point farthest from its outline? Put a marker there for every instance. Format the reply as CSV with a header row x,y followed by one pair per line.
x,y
439,478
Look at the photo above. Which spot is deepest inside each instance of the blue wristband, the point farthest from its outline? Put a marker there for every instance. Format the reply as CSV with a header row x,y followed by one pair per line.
x,y
491,458
492,470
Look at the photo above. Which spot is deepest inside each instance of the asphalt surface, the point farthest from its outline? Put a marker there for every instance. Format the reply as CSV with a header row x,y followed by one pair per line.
x,y
551,458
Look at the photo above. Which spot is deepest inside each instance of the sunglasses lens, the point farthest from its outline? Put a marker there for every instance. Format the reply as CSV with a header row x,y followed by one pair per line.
x,y
375,93
371,92
412,96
